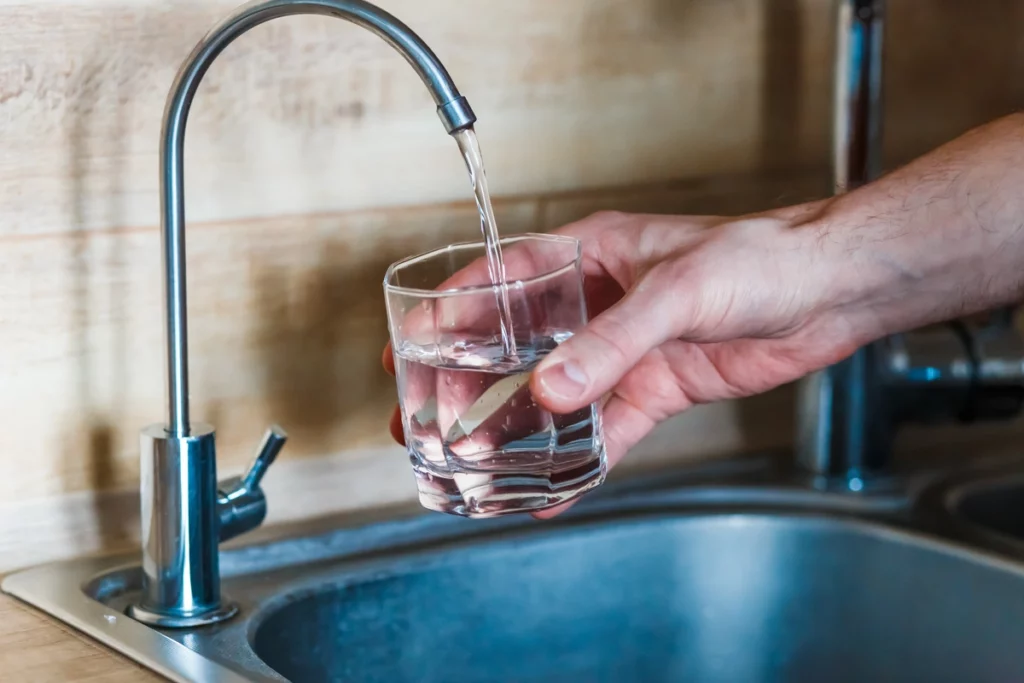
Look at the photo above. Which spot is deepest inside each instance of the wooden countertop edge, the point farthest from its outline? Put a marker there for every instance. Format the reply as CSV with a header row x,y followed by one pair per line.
x,y
36,647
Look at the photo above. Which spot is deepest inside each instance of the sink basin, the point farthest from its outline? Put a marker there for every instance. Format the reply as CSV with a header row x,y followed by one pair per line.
x,y
743,581
996,506
707,598
986,506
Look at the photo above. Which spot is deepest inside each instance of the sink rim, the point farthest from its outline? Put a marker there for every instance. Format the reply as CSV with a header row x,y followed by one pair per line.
x,y
59,590
954,495
937,499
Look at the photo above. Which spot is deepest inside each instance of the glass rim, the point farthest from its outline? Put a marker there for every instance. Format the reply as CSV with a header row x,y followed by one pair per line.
x,y
390,288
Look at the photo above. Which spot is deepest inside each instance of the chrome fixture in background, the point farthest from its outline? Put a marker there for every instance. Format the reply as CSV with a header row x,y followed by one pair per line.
x,y
849,413
835,435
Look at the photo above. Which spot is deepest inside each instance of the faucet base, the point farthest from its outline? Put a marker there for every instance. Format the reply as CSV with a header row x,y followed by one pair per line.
x,y
162,620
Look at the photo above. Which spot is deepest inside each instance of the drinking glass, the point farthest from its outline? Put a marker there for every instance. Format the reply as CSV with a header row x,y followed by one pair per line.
x,y
480,445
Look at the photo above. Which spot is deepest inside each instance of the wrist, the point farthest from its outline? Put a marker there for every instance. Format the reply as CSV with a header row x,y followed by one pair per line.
x,y
841,286
898,254
937,239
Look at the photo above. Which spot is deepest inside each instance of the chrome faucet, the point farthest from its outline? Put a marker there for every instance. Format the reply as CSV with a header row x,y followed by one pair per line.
x,y
185,512
848,414
834,426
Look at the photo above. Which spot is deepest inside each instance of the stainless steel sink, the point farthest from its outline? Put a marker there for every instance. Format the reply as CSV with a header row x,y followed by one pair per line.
x,y
706,597
983,505
651,581
996,506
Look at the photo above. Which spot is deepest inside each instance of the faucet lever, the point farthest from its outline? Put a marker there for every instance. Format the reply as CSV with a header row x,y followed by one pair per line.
x,y
273,441
241,503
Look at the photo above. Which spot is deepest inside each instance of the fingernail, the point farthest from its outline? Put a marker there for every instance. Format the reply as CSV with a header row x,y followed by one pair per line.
x,y
563,380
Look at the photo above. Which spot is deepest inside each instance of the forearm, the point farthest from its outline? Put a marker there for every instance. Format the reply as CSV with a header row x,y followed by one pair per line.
x,y
936,239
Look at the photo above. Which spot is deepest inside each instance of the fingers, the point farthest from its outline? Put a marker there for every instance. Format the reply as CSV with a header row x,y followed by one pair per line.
x,y
624,425
587,365
615,243
395,425
553,512
397,430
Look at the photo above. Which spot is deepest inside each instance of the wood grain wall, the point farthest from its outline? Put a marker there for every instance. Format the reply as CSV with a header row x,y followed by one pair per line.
x,y
314,159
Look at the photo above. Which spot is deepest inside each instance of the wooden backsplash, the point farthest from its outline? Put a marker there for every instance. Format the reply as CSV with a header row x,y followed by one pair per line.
x,y
314,159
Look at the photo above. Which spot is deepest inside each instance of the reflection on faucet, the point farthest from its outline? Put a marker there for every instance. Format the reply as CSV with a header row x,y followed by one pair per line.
x,y
184,514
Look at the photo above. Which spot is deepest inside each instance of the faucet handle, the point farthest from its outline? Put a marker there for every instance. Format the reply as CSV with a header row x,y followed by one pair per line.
x,y
241,504
273,442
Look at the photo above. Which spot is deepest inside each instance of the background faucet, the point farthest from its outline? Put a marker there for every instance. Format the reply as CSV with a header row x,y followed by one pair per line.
x,y
835,434
185,513
848,414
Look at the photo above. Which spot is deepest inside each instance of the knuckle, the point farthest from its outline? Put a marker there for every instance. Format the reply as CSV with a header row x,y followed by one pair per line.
x,y
616,338
609,216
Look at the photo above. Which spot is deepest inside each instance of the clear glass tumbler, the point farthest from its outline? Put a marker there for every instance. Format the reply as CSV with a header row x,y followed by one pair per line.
x,y
480,445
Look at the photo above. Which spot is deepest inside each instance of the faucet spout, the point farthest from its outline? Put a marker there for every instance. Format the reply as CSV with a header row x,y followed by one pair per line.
x,y
452,108
184,512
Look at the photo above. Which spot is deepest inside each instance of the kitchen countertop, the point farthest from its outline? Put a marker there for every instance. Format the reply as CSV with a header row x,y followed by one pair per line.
x,y
36,648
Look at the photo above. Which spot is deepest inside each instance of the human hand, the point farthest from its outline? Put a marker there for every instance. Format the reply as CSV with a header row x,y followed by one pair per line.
x,y
689,310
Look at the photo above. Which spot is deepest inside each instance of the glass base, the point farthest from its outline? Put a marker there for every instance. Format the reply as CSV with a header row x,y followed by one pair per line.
x,y
484,494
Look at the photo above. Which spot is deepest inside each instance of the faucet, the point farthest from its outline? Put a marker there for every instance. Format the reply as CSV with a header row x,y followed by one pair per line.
x,y
849,413
836,438
185,512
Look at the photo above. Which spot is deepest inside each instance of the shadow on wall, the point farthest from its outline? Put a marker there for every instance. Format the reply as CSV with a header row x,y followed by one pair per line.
x,y
783,61
100,82
101,95
781,80
950,66
321,332
322,326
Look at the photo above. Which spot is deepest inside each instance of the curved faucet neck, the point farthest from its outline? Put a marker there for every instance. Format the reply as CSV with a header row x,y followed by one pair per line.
x,y
452,108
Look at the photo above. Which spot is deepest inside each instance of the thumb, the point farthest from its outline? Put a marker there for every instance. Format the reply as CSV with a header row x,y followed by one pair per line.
x,y
591,362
